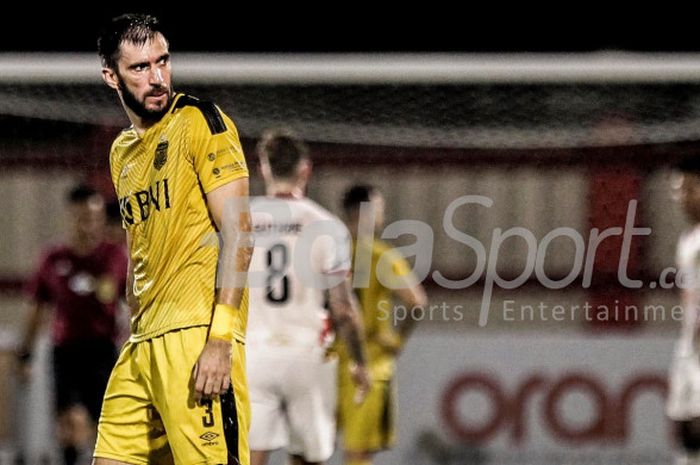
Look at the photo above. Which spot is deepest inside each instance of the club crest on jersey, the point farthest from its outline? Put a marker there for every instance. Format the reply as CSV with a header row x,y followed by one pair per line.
x,y
161,154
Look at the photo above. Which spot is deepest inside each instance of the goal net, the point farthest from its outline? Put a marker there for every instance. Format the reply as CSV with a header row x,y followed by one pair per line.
x,y
443,101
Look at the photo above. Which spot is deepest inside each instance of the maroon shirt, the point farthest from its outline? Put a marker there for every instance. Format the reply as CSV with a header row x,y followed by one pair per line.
x,y
83,290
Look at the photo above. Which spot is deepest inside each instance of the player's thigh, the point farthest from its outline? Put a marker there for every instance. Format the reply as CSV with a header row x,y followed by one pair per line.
x,y
130,428
311,405
683,402
211,431
268,426
369,426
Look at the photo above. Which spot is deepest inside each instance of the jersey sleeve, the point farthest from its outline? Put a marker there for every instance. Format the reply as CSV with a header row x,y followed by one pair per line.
x,y
336,249
216,153
114,164
115,171
394,271
399,265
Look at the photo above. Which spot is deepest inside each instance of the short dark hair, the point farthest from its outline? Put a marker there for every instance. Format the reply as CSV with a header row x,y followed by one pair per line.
x,y
135,28
357,194
689,164
283,149
81,193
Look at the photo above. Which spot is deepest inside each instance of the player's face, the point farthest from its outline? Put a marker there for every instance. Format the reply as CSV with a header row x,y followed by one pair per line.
x,y
379,206
377,203
144,77
689,195
88,220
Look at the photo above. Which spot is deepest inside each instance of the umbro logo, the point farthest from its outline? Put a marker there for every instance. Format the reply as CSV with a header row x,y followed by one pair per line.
x,y
209,436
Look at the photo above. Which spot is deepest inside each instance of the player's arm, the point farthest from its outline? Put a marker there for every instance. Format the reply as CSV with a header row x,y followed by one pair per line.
x,y
218,160
413,295
228,207
41,295
127,303
131,300
410,292
346,318
26,345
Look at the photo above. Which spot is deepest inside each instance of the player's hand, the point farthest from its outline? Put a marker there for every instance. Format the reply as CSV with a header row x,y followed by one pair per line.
x,y
212,372
360,376
390,342
23,366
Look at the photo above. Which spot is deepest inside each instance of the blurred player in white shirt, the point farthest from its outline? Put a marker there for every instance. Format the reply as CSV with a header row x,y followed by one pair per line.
x,y
684,381
299,278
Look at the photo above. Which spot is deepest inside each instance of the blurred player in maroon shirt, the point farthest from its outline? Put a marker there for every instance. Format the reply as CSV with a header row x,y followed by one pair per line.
x,y
82,281
114,231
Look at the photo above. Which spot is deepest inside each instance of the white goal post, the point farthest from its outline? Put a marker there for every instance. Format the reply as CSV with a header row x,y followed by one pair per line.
x,y
379,68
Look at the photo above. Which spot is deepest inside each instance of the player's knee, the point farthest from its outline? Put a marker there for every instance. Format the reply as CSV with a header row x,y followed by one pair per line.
x,y
689,435
258,457
299,460
358,458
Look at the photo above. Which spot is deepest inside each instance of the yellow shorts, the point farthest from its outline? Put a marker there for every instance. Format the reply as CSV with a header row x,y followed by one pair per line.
x,y
149,415
370,426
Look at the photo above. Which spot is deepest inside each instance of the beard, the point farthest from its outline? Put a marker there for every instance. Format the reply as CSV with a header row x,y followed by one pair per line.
x,y
138,107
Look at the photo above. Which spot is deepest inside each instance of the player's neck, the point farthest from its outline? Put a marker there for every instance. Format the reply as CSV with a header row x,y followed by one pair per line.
x,y
140,125
285,189
83,246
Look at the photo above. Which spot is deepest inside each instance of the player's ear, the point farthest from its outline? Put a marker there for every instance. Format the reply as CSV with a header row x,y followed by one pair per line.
x,y
304,169
265,170
110,78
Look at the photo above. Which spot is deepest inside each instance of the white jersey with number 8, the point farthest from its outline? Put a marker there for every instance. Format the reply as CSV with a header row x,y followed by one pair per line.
x,y
301,250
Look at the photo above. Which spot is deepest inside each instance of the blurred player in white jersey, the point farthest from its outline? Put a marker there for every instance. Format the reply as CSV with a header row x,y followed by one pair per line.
x,y
684,381
301,262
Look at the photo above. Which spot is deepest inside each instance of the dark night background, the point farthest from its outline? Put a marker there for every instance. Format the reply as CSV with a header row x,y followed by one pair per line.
x,y
339,27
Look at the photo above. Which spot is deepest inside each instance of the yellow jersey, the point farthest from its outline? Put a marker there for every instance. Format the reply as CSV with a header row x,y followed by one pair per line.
x,y
376,304
161,179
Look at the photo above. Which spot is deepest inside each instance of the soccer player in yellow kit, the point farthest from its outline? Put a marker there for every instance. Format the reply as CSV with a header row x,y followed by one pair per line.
x,y
178,391
369,427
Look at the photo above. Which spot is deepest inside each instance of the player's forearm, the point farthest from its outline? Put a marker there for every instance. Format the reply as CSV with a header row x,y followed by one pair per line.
x,y
347,320
235,256
131,300
405,328
32,328
350,329
236,253
411,297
